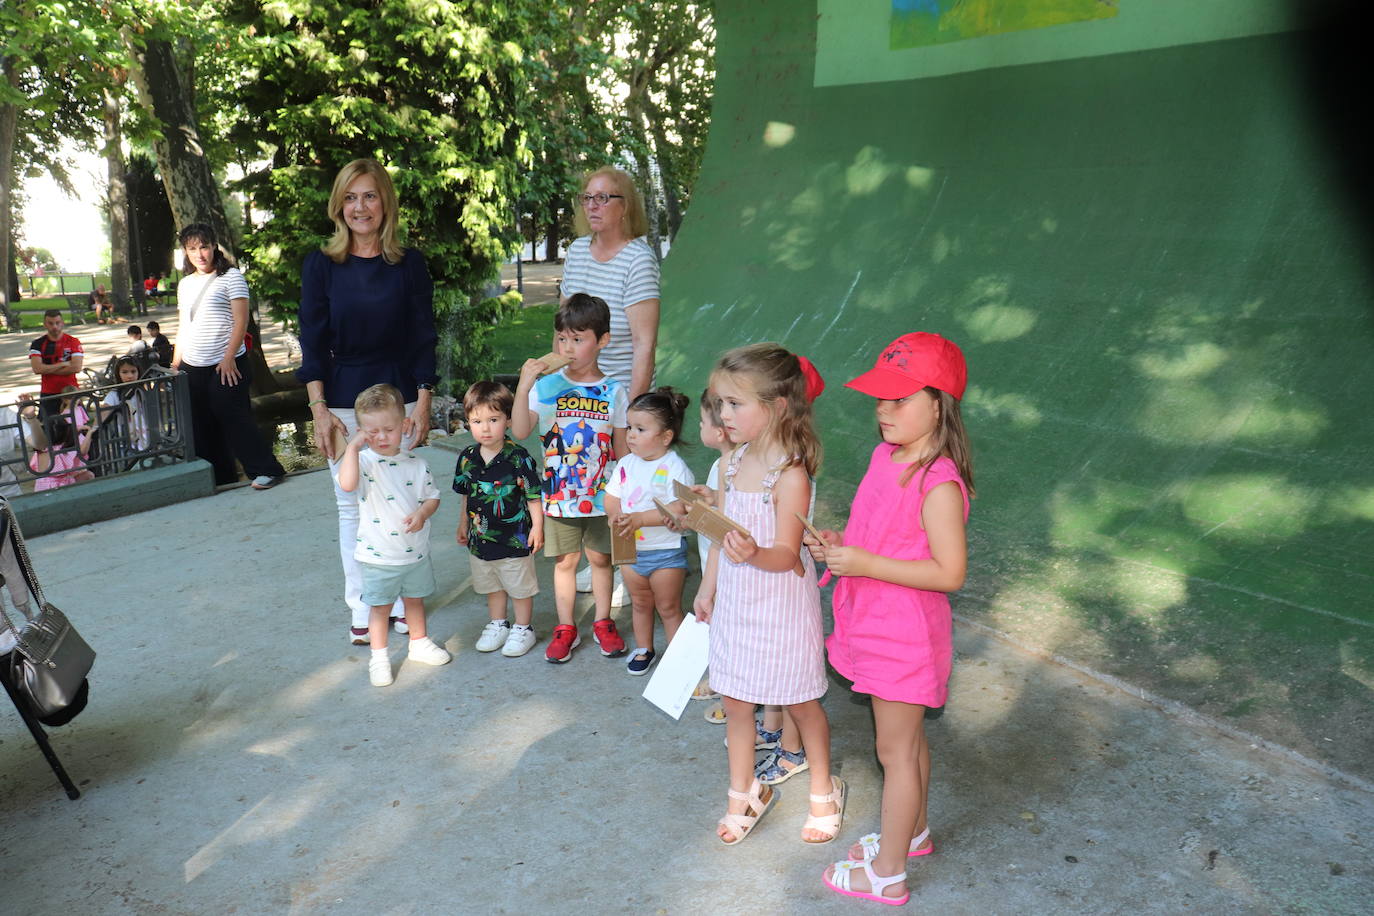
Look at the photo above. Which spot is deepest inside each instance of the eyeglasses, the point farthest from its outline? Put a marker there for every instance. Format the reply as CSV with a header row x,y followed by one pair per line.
x,y
599,199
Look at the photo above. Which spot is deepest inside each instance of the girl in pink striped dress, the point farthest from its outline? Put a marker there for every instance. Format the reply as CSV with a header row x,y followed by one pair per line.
x,y
901,554
759,591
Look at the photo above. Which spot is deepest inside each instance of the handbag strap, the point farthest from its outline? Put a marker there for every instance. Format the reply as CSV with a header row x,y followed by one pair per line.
x,y
9,530
21,553
195,306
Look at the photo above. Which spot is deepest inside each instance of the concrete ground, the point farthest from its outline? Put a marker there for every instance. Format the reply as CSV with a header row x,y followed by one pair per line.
x,y
234,759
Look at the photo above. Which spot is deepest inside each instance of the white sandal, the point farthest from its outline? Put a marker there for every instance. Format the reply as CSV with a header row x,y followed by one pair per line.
x,y
869,844
741,825
827,823
841,872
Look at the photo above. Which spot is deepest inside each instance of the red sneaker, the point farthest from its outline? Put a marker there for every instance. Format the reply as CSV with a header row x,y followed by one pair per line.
x,y
604,632
565,639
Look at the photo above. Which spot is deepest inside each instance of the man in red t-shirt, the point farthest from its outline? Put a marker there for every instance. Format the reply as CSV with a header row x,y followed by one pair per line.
x,y
56,357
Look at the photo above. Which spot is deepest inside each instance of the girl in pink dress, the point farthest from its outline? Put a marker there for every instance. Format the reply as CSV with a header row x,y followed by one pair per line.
x,y
759,590
901,554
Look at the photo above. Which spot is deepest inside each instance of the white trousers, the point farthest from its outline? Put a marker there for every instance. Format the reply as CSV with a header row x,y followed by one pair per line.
x,y
348,532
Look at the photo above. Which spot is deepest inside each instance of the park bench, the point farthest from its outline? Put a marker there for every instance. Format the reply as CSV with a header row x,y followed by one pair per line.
x,y
76,306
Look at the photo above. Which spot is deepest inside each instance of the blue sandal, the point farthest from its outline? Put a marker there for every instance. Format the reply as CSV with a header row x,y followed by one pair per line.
x,y
764,740
771,772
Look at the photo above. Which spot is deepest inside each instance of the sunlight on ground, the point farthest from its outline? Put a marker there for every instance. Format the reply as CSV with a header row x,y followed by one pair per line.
x,y
270,817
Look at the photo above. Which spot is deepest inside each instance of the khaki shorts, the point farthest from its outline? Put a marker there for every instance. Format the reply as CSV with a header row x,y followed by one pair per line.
x,y
569,535
512,575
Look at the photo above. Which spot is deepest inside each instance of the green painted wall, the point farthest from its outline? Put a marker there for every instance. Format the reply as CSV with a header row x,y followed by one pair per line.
x,y
1166,311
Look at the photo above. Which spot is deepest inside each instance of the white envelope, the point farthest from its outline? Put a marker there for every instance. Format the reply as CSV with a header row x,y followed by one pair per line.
x,y
679,671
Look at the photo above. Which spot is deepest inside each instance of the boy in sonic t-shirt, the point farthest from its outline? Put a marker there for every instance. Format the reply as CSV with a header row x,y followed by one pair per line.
x,y
580,414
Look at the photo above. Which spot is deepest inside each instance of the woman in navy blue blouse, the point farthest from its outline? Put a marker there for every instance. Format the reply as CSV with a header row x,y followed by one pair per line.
x,y
366,318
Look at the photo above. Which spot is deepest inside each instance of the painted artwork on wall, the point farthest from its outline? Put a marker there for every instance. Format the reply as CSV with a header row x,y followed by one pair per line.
x,y
919,23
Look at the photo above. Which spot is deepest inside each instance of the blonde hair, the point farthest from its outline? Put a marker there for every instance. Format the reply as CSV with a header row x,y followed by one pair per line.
x,y
338,245
775,374
635,222
380,398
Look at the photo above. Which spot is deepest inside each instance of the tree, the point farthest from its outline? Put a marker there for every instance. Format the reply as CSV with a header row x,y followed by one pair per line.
x,y
436,91
629,84
166,94
54,61
116,197
150,212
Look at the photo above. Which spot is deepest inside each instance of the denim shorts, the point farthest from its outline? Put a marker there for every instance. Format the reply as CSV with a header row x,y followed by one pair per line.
x,y
649,561
384,584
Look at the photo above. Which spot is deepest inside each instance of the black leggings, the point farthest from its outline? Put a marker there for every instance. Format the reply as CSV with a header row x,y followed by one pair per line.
x,y
222,417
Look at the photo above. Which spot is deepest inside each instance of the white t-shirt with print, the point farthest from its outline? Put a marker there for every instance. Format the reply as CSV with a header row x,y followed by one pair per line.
x,y
391,487
637,483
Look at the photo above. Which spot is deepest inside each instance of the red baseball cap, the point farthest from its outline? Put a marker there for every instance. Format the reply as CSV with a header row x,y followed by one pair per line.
x,y
912,362
815,385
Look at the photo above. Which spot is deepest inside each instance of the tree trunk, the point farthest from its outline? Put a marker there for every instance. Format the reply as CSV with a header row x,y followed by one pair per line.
x,y
117,198
165,95
9,115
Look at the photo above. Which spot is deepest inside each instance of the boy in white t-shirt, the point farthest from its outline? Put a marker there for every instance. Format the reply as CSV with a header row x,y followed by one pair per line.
x,y
580,414
396,497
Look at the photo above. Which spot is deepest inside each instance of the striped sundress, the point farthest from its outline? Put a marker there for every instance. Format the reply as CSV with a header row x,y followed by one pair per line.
x,y
766,639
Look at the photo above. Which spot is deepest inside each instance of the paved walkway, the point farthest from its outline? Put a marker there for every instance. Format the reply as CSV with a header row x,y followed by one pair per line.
x,y
234,759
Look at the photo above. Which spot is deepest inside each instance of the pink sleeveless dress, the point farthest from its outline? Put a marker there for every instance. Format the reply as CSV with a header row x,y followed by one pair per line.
x,y
893,642
767,645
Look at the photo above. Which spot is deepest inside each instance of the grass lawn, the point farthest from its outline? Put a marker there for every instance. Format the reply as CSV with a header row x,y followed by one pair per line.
x,y
31,311
528,334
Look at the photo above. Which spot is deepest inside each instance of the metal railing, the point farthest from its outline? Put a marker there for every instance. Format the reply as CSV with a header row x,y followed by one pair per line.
x,y
146,424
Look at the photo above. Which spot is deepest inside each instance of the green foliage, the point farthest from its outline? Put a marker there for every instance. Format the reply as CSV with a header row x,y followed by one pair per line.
x,y
524,334
437,91
468,337
628,83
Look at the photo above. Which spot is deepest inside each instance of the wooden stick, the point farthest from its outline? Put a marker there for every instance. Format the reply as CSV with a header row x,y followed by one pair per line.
x,y
811,529
554,361
623,548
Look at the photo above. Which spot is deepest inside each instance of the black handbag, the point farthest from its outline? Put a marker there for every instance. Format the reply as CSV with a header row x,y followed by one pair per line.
x,y
50,660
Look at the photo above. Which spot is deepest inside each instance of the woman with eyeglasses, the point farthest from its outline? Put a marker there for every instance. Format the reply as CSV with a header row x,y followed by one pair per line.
x,y
611,260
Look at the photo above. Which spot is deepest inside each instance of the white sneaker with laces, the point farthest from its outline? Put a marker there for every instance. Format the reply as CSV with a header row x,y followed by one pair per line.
x,y
379,672
427,651
493,636
399,623
584,579
520,641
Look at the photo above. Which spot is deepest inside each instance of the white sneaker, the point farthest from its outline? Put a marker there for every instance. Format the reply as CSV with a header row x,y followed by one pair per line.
x,y
493,636
520,641
620,596
584,579
399,623
429,652
379,672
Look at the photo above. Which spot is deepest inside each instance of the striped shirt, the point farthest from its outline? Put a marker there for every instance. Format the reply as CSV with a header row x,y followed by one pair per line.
x,y
626,279
206,325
